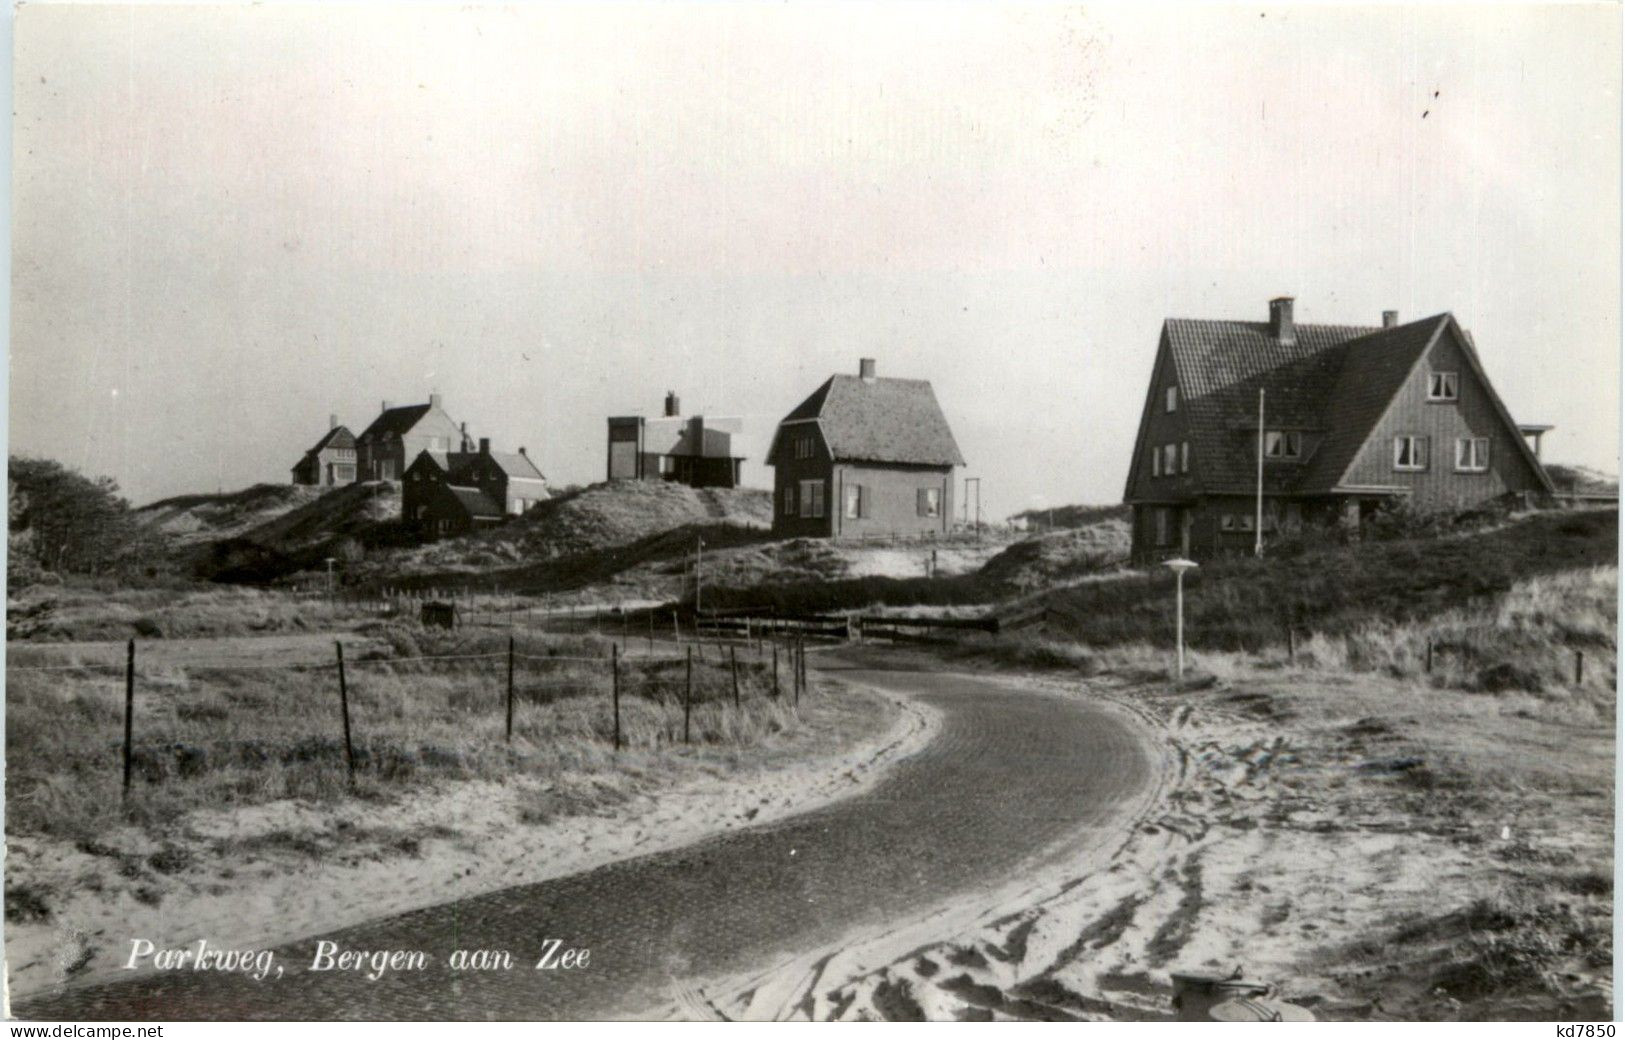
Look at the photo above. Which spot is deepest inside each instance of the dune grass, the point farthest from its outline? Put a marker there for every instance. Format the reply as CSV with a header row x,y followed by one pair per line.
x,y
429,705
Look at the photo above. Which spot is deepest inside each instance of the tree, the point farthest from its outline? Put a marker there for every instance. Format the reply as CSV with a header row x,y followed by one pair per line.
x,y
65,522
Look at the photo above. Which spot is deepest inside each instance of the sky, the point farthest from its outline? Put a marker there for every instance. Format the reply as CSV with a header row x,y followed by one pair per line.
x,y
232,222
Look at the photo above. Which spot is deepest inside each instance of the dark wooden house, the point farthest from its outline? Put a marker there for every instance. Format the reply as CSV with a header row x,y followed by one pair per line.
x,y
444,494
331,461
864,456
1353,417
693,450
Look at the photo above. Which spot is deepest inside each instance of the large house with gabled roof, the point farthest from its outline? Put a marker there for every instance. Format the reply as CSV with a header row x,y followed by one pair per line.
x,y
331,461
390,443
1352,417
864,456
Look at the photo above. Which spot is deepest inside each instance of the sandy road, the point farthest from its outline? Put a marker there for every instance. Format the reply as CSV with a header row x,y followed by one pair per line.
x,y
1014,782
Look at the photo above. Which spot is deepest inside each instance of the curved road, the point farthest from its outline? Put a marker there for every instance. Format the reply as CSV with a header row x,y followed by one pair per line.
x,y
1010,778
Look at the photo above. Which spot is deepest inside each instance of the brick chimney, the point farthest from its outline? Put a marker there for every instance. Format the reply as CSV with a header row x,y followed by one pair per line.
x,y
467,444
1281,328
383,406
866,369
1390,319
332,422
485,445
434,400
674,407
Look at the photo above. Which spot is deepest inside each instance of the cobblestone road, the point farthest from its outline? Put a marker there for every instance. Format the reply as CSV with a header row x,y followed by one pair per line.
x,y
1010,776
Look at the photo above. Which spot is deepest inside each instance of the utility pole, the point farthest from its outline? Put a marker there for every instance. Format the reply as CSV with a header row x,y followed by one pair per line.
x,y
1258,516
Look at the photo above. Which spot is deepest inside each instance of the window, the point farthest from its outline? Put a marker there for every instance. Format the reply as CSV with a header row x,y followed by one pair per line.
x,y
1282,444
1160,516
1156,462
812,498
1472,454
1236,522
516,506
1170,458
1184,456
1410,453
854,501
789,501
1442,386
804,447
928,502
1171,404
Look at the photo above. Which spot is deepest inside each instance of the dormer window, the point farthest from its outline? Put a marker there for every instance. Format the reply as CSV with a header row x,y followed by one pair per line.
x,y
1442,386
1282,444
1172,400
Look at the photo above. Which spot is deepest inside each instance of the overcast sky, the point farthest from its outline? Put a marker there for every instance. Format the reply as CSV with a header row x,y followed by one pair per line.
x,y
230,222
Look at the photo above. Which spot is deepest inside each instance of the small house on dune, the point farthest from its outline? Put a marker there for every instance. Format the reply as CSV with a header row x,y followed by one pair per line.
x,y
445,494
331,461
1352,417
695,450
864,455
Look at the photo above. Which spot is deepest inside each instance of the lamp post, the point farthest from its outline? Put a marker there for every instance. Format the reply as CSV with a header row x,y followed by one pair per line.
x,y
1179,566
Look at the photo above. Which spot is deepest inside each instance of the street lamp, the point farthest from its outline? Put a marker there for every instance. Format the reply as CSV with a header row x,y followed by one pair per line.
x,y
1179,566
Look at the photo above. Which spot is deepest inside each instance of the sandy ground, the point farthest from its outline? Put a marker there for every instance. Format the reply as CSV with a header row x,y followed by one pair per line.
x,y
1284,842
280,871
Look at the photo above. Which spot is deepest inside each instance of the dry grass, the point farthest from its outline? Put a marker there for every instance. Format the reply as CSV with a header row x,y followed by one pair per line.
x,y
221,738
53,613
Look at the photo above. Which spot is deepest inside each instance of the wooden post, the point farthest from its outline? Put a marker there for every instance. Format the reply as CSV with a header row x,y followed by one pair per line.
x,y
510,689
733,666
775,669
1291,646
129,711
344,709
688,691
1579,667
615,691
676,632
1430,656
651,633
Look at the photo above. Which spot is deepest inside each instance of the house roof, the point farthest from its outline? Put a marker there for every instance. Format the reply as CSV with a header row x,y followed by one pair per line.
x,y
397,421
515,465
879,420
1335,381
477,502
337,437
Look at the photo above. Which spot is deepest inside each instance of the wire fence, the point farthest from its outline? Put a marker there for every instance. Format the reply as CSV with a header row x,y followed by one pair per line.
x,y
525,678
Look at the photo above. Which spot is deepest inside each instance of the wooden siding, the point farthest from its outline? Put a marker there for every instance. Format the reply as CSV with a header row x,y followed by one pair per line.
x,y
1473,414
789,471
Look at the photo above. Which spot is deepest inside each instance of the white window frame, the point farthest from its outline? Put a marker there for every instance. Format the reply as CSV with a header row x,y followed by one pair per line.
x,y
852,509
1444,386
1161,523
1476,456
1170,459
1156,461
928,502
1236,522
1184,456
1410,453
1170,402
812,499
1283,444
789,500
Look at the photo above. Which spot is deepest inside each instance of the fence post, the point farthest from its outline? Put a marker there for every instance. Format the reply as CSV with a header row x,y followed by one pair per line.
x,y
651,633
1430,655
1579,667
129,711
688,691
510,690
676,632
615,691
775,669
1291,646
733,666
344,709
